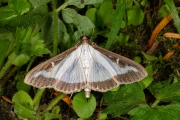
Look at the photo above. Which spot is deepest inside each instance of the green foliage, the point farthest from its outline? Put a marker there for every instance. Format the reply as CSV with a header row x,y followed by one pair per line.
x,y
145,112
123,100
82,106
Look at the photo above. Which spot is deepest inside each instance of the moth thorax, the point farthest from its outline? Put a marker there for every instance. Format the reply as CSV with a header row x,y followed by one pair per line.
x,y
87,92
85,59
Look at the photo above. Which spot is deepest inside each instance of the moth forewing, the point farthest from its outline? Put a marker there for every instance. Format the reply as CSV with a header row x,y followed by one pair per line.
x,y
135,71
37,77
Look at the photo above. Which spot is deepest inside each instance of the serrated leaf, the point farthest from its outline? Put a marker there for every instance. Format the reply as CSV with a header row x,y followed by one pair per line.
x,y
6,14
21,6
149,57
82,3
145,112
23,105
82,106
123,100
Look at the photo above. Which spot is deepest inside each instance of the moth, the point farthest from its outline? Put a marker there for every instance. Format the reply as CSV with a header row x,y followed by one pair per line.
x,y
85,66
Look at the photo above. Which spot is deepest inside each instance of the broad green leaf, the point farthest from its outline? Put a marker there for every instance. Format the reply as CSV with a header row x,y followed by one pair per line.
x,y
135,16
149,57
24,112
104,12
150,69
4,45
82,3
102,116
82,106
21,6
21,60
118,18
145,112
82,23
123,100
146,81
92,15
163,11
20,85
23,105
137,59
6,14
167,93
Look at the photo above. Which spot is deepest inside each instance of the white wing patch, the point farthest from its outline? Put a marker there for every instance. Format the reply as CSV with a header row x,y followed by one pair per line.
x,y
70,70
102,68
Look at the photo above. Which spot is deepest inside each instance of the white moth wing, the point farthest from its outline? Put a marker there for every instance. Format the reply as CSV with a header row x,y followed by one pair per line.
x,y
63,72
109,70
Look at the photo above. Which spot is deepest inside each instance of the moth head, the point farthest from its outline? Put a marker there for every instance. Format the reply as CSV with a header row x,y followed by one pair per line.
x,y
84,39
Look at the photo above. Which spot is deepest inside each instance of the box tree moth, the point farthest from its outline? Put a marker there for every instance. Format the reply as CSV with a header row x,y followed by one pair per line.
x,y
85,66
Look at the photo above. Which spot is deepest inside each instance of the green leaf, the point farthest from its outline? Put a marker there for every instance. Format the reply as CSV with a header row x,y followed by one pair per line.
x,y
23,105
149,57
135,16
21,60
92,15
50,116
163,11
172,7
82,23
37,3
118,17
104,12
167,93
150,69
137,59
123,100
82,106
20,85
56,110
146,82
21,6
82,3
6,14
145,112
4,45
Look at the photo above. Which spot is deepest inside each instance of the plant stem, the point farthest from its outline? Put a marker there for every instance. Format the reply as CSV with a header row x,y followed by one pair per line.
x,y
11,73
37,98
8,64
63,6
155,103
54,102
